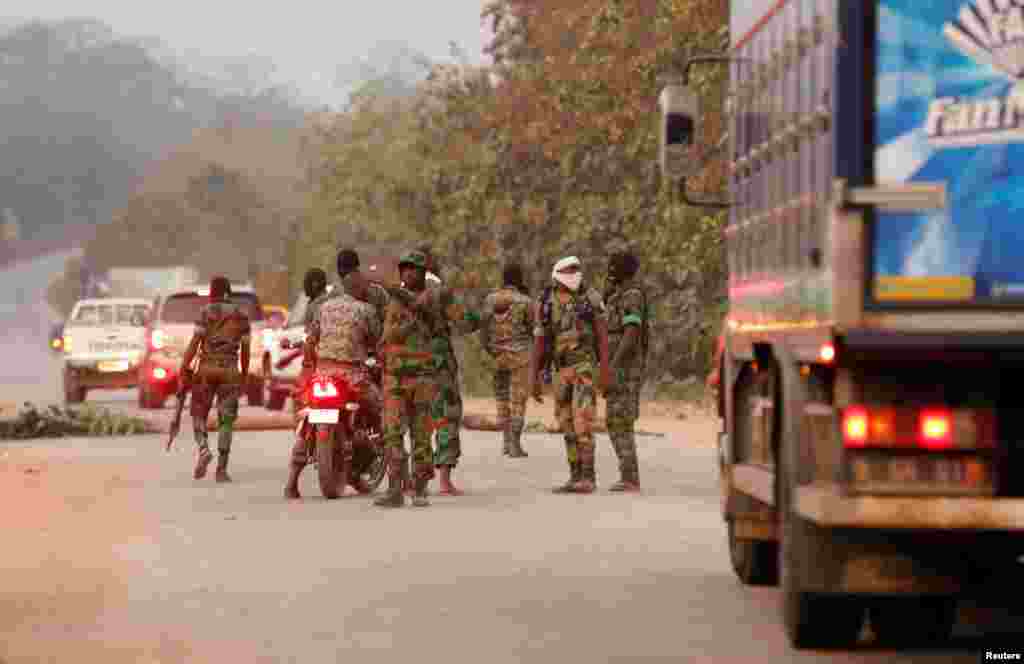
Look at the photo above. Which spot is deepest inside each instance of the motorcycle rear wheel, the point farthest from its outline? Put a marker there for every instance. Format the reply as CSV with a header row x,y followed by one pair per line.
x,y
326,467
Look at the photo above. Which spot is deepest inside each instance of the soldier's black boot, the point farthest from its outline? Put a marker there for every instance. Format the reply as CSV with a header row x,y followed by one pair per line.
x,y
222,467
515,444
575,475
507,445
394,496
420,499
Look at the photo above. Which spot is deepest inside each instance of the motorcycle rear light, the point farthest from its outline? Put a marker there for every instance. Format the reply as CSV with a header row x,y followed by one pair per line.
x,y
159,373
352,406
324,389
827,353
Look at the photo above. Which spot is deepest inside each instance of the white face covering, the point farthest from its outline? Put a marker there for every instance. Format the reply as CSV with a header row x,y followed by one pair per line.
x,y
571,280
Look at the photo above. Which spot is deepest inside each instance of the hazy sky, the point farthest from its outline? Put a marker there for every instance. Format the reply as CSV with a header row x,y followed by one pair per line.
x,y
304,37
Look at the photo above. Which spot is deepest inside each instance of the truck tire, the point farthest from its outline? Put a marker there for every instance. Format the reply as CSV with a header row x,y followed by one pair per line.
x,y
73,392
756,562
811,619
912,621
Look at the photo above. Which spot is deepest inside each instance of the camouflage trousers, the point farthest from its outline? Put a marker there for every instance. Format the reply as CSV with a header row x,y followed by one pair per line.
x,y
226,389
575,408
511,379
370,395
623,410
408,403
446,412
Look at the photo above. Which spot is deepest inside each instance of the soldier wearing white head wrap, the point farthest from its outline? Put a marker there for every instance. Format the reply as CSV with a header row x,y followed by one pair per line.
x,y
572,319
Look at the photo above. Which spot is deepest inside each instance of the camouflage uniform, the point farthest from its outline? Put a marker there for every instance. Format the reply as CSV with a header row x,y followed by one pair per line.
x,y
576,364
222,328
409,375
626,306
507,321
343,332
443,308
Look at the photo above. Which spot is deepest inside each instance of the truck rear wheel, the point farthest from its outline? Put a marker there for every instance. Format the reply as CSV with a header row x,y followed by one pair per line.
x,y
912,621
812,619
756,562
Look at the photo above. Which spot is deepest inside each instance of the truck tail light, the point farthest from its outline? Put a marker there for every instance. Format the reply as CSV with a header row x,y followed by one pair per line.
x,y
936,429
855,427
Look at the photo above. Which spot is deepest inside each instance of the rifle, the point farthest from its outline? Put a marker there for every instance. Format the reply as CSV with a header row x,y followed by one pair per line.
x,y
183,389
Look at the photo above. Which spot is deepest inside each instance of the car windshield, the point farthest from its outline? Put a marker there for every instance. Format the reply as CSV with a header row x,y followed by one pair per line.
x,y
94,314
185,308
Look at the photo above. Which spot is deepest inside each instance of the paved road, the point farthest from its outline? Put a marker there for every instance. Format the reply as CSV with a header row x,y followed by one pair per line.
x,y
507,573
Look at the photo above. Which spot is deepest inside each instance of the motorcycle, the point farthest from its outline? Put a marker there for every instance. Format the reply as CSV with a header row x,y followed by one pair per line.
x,y
333,420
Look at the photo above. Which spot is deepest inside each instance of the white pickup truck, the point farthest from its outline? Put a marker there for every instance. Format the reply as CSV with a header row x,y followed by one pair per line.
x,y
104,339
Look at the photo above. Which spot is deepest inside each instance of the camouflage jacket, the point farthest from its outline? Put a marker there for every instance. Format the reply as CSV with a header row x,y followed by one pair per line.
x,y
223,327
407,340
345,329
571,325
377,296
627,305
445,308
507,320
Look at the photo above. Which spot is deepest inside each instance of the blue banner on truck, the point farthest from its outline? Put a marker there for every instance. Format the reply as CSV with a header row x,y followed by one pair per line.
x,y
949,107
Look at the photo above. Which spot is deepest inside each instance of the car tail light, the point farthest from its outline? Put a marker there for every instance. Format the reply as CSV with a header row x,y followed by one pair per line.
x,y
934,428
157,339
324,389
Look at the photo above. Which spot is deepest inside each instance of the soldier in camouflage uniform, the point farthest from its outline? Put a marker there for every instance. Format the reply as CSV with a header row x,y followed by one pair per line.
x,y
338,339
409,376
221,335
506,328
314,285
627,344
573,319
445,308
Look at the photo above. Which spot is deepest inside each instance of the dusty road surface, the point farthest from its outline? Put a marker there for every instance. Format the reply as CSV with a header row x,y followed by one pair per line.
x,y
113,553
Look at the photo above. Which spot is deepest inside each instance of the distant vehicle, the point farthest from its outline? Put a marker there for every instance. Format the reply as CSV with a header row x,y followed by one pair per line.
x,y
103,342
56,340
169,331
283,343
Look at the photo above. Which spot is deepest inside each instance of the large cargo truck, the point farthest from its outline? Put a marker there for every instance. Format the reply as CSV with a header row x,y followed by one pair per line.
x,y
871,460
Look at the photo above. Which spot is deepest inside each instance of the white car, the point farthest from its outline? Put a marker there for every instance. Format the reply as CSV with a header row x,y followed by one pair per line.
x,y
281,343
103,343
